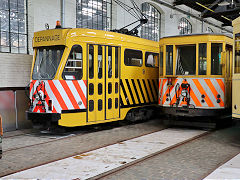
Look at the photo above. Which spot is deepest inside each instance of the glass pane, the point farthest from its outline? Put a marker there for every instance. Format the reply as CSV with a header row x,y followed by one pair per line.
x,y
100,60
14,42
237,53
202,62
117,54
169,60
109,62
91,61
151,59
73,69
46,62
186,60
4,4
161,61
4,19
21,6
13,5
216,64
185,26
22,24
133,57
13,22
4,38
22,43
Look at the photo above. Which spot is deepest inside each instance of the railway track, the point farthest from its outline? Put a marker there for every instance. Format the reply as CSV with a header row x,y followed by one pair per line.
x,y
177,143
121,168
60,141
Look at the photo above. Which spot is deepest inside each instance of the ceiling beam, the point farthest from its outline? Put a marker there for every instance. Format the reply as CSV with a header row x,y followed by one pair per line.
x,y
210,7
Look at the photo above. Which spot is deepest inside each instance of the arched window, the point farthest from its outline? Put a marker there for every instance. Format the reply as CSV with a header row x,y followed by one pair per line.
x,y
185,26
151,30
94,14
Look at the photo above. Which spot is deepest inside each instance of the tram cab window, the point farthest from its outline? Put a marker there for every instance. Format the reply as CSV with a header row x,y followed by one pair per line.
x,y
186,60
169,60
133,57
202,63
237,53
73,69
161,61
216,59
151,59
47,61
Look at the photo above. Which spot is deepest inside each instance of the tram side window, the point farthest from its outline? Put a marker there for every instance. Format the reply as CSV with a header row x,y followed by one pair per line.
x,y
133,57
186,60
169,60
100,60
91,61
110,62
161,61
237,53
202,63
216,65
151,59
73,69
117,54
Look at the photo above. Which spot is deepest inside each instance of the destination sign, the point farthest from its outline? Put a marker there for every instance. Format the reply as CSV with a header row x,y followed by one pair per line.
x,y
47,38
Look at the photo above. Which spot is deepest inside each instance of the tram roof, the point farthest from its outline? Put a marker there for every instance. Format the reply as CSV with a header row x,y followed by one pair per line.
x,y
196,38
53,37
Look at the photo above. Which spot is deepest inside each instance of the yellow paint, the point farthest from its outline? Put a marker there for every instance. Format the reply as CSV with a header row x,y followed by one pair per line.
x,y
236,76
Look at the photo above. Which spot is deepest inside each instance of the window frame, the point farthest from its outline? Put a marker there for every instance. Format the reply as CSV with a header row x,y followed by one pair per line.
x,y
151,16
149,66
188,27
133,50
81,77
9,32
106,16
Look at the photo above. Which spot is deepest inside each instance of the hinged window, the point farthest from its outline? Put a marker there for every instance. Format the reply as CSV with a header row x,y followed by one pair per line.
x,y
73,69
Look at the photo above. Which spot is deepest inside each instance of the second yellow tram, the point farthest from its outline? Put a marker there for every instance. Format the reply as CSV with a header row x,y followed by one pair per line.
x,y
195,75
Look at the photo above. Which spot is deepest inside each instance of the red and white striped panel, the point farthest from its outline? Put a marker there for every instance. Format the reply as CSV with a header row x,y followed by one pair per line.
x,y
65,95
210,87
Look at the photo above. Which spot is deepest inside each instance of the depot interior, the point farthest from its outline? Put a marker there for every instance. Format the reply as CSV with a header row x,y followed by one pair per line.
x,y
19,19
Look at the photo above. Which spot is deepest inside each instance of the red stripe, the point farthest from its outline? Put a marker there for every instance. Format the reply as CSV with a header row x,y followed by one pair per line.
x,y
57,95
32,83
80,92
85,82
69,93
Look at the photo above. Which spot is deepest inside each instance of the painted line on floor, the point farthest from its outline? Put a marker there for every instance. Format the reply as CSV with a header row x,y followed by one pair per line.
x,y
229,170
93,163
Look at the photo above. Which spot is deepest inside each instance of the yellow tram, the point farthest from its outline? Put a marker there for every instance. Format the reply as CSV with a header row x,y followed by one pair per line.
x,y
195,75
84,76
236,72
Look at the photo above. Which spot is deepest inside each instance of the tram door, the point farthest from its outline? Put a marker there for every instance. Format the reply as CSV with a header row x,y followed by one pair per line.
x,y
101,82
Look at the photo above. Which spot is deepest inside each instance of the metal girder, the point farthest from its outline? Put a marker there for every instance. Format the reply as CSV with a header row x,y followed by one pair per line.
x,y
227,13
211,6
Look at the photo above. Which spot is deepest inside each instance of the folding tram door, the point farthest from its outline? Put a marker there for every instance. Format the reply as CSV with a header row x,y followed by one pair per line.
x,y
103,82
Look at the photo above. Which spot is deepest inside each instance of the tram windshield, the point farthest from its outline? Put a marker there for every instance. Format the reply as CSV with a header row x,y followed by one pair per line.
x,y
186,60
47,62
237,53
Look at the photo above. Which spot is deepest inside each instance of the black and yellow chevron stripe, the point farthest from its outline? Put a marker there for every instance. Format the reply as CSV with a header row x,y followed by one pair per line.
x,y
138,92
